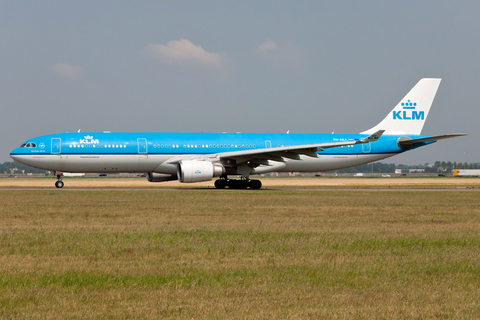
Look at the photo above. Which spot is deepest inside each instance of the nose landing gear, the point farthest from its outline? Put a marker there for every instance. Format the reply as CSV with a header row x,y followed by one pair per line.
x,y
59,182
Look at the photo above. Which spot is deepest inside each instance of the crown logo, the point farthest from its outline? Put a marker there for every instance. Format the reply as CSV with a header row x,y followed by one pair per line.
x,y
409,105
88,137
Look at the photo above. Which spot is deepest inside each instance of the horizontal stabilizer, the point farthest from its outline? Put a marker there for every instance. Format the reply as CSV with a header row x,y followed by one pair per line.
x,y
407,142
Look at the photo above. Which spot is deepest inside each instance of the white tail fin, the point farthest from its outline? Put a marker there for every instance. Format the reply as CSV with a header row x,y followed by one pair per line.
x,y
409,116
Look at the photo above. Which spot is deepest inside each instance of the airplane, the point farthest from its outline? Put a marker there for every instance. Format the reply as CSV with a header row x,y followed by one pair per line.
x,y
195,157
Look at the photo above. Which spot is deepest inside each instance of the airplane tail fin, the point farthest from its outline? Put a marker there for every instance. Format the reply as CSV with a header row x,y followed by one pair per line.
x,y
409,115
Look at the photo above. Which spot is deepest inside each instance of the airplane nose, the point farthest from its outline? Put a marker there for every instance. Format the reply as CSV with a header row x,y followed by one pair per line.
x,y
15,155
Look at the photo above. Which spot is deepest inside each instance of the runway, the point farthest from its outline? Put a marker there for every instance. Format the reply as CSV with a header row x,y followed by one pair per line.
x,y
247,190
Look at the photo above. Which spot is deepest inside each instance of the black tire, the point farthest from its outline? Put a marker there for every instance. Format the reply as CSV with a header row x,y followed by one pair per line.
x,y
238,184
59,184
220,184
243,184
232,184
255,184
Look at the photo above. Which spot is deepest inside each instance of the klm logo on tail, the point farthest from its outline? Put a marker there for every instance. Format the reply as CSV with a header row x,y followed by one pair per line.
x,y
406,114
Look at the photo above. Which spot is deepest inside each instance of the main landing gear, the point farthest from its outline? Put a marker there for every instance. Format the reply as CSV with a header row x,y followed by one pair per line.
x,y
59,183
222,183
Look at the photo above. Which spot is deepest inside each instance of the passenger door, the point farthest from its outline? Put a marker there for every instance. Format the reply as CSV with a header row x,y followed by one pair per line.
x,y
56,145
366,148
142,145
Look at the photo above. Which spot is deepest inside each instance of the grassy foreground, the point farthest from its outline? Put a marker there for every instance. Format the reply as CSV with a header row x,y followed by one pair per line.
x,y
239,254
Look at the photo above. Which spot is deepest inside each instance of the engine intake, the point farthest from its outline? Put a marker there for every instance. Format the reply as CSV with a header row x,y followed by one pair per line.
x,y
196,170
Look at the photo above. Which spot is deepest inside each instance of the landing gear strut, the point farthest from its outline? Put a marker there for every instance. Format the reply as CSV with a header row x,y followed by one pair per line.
x,y
59,183
223,182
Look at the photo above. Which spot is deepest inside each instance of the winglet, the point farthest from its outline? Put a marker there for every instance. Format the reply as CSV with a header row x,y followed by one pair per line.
x,y
373,137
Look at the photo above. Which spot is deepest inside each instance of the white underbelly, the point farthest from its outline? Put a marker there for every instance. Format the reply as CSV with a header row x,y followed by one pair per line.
x,y
331,162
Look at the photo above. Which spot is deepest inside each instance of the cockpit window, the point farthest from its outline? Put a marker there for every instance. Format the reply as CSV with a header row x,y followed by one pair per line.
x,y
29,145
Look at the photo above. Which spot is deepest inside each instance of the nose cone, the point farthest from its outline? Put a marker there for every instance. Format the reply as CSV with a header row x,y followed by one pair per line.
x,y
15,154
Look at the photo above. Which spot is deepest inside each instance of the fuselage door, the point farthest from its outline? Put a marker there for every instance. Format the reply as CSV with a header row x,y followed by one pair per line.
x,y
268,144
366,148
56,145
142,145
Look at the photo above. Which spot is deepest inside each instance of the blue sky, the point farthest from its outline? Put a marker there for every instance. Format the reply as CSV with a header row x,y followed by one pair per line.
x,y
214,66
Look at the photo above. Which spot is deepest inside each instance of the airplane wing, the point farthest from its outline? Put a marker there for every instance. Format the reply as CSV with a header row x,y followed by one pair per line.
x,y
407,143
279,153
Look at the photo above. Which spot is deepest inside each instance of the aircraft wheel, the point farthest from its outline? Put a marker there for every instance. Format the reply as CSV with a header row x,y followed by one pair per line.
x,y
243,184
255,184
238,184
232,184
59,184
220,184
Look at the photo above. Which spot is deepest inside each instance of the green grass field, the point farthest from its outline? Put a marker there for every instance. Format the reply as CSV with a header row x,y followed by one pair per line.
x,y
240,254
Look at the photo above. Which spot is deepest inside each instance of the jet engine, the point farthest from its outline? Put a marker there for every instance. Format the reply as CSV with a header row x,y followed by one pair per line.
x,y
160,177
197,170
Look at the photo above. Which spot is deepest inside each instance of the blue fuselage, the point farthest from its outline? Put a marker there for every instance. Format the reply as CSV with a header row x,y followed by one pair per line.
x,y
149,152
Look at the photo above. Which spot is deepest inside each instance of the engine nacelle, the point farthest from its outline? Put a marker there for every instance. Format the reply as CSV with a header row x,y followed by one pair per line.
x,y
196,170
160,177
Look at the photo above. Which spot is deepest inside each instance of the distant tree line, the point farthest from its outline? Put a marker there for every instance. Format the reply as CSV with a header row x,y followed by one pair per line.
x,y
449,166
436,167
376,167
7,166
